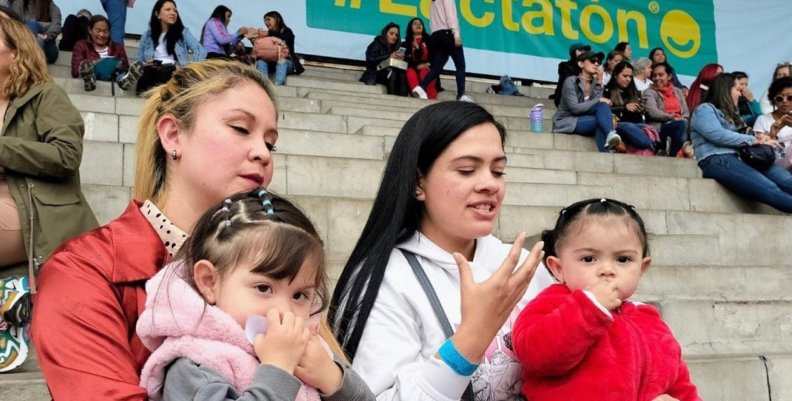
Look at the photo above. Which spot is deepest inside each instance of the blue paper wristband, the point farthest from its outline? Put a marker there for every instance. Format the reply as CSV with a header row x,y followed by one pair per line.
x,y
449,354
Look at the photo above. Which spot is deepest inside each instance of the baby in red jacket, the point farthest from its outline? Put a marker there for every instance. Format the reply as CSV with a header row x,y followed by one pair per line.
x,y
583,339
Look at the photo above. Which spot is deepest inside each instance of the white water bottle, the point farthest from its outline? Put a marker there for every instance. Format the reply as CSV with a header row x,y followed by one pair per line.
x,y
537,118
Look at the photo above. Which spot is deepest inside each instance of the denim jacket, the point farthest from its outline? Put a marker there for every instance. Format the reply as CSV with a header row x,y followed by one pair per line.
x,y
146,50
713,134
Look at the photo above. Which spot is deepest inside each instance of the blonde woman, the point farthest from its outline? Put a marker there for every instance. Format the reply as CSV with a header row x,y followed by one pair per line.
x,y
40,153
92,291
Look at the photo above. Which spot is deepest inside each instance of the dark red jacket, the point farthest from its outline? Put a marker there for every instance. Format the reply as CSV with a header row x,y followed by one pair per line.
x,y
84,50
91,292
571,350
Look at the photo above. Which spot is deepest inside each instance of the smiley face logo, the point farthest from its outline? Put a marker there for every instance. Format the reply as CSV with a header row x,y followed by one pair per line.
x,y
680,33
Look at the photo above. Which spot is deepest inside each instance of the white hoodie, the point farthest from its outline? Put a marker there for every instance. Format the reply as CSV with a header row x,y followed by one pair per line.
x,y
396,352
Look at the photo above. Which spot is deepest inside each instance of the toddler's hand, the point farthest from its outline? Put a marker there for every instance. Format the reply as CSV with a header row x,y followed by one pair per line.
x,y
606,293
317,369
284,342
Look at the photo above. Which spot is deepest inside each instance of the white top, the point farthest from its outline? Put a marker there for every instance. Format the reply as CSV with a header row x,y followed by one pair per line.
x,y
606,77
763,124
161,52
103,53
396,352
642,85
764,104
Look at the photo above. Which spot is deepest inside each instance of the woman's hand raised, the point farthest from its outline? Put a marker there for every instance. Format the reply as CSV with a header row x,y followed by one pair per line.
x,y
487,305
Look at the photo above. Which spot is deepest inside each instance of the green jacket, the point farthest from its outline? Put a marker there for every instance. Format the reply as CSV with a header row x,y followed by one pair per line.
x,y
40,151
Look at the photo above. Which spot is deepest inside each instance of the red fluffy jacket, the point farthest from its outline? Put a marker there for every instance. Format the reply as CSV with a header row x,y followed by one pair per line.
x,y
571,350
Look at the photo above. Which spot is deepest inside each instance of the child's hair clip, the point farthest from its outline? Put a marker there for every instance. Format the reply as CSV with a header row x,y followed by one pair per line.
x,y
603,200
266,202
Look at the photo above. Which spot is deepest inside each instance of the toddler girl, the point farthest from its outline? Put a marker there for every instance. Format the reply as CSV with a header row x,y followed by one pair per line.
x,y
254,255
583,339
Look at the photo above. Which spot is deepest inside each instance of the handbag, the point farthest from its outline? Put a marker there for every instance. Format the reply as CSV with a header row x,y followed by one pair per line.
x,y
437,307
269,48
759,156
392,62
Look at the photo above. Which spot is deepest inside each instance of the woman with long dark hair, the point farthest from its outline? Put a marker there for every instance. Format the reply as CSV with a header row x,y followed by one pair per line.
x,y
715,131
441,194
626,106
277,28
418,55
384,46
215,38
165,46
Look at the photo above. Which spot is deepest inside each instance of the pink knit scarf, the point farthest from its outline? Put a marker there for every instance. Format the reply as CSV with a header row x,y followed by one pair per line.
x,y
177,323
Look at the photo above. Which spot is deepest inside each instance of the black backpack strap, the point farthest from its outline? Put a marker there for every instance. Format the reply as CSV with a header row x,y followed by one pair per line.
x,y
437,307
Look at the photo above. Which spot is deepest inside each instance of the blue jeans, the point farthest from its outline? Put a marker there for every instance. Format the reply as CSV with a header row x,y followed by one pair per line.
x,y
677,131
633,134
116,13
772,186
443,48
597,122
281,70
48,46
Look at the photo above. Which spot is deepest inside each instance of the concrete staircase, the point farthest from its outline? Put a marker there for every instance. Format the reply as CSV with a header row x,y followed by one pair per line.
x,y
721,276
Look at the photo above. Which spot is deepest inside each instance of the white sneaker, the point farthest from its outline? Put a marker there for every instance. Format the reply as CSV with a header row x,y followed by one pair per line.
x,y
419,92
466,98
613,140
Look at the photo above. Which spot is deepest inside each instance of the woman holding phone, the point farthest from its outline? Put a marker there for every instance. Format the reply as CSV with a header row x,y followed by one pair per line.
x,y
385,46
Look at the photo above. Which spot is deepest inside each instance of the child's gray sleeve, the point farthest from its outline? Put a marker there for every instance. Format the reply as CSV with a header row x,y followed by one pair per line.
x,y
186,380
353,388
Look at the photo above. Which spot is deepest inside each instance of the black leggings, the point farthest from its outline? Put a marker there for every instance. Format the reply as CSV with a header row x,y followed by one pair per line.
x,y
154,75
394,79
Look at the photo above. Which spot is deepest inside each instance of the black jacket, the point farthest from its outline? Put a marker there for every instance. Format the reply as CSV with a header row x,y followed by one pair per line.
x,y
376,52
566,69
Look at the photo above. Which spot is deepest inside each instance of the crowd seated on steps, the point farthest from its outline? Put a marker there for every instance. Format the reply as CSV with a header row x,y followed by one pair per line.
x,y
712,125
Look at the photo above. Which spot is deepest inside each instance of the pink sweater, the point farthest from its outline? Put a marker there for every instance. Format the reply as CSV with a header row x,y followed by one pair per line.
x,y
443,15
178,323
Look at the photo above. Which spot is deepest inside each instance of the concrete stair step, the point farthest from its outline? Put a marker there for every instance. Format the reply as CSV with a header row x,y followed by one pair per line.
x,y
540,177
518,103
706,328
322,83
755,378
516,123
